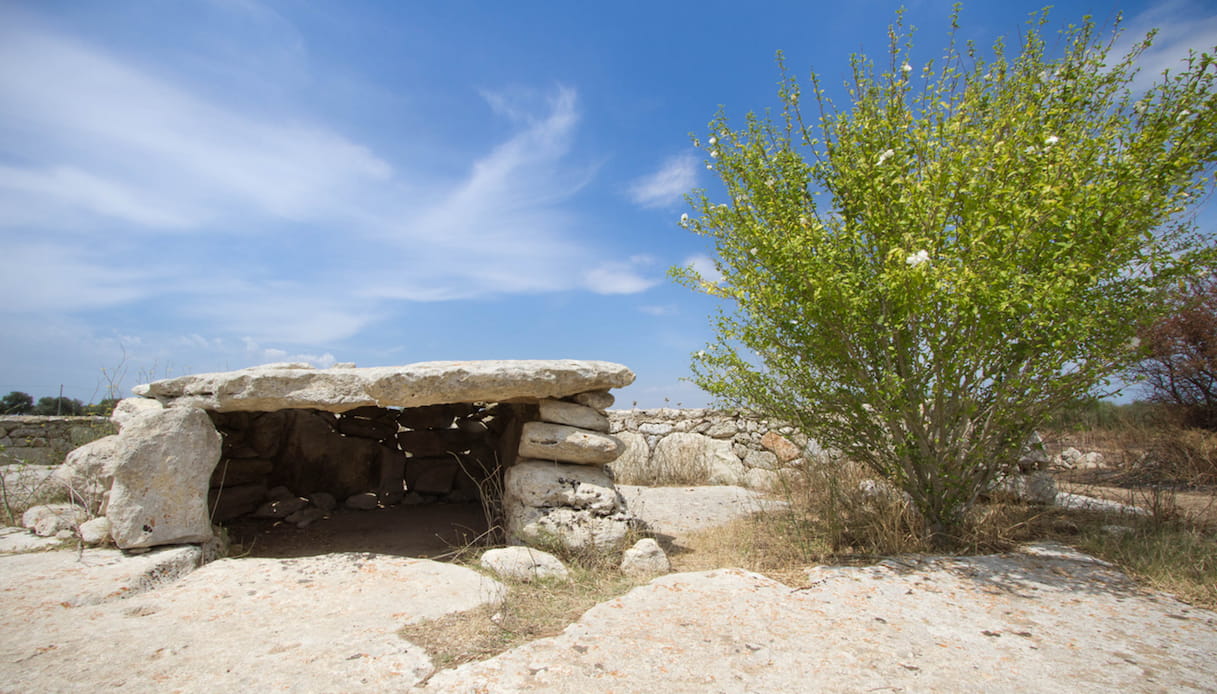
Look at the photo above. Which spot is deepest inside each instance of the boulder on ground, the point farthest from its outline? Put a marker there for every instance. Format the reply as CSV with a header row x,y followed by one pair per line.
x,y
49,519
523,563
645,558
163,466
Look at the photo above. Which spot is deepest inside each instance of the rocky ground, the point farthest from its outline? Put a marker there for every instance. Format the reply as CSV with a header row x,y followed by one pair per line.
x,y
1045,618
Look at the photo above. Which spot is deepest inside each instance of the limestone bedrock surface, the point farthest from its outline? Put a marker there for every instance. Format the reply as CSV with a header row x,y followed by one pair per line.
x,y
286,386
1045,619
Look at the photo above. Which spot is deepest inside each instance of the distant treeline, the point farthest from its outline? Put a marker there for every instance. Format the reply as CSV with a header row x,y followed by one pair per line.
x,y
17,402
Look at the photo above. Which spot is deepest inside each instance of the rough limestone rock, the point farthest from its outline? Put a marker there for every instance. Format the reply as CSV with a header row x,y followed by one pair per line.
x,y
96,531
645,558
695,457
540,483
311,624
129,409
1043,620
762,480
523,564
164,464
49,519
572,529
88,472
1036,487
573,414
633,466
545,441
283,386
599,400
780,446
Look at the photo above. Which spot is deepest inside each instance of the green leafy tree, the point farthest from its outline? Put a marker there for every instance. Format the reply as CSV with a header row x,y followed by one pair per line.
x,y
59,406
918,281
17,402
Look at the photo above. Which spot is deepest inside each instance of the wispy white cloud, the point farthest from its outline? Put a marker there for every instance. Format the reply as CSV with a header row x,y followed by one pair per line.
x,y
659,310
158,155
1182,25
704,266
621,278
667,186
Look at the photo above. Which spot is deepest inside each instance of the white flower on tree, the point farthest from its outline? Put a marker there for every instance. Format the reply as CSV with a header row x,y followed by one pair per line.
x,y
917,258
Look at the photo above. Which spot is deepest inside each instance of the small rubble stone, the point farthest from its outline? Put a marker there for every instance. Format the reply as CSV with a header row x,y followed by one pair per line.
x,y
96,531
645,558
280,509
523,564
362,502
305,517
323,500
47,520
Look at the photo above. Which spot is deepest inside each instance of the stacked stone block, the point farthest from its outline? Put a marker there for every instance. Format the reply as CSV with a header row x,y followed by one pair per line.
x,y
559,492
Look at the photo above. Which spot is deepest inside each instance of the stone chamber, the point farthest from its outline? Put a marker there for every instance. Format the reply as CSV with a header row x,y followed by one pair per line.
x,y
411,460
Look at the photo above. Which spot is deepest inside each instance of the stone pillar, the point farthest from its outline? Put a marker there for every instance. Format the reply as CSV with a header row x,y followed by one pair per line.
x,y
558,492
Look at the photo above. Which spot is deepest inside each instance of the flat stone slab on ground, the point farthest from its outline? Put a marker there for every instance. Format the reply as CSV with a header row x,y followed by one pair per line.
x,y
316,624
1046,619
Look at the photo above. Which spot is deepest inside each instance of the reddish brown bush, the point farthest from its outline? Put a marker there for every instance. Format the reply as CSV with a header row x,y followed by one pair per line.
x,y
1181,369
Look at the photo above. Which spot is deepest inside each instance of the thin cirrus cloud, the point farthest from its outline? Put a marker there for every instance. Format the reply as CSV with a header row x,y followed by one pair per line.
x,y
666,186
93,141
132,146
1182,25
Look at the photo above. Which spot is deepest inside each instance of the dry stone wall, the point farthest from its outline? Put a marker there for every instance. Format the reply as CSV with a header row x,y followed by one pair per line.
x,y
704,446
37,440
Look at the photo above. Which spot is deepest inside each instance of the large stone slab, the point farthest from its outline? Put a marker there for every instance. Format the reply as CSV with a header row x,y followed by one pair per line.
x,y
275,387
315,624
546,441
162,470
1044,620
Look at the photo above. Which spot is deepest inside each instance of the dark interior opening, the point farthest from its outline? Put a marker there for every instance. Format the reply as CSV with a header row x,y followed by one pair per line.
x,y
407,481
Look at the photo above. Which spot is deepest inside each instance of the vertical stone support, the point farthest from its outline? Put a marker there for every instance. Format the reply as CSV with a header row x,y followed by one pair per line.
x,y
558,492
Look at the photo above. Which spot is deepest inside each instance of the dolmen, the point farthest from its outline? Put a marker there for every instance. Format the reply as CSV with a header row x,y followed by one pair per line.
x,y
527,438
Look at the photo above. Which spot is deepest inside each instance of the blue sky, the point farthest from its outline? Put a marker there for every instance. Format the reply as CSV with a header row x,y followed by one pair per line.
x,y
212,185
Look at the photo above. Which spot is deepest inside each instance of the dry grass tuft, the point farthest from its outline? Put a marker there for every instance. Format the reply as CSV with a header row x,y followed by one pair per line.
x,y
531,610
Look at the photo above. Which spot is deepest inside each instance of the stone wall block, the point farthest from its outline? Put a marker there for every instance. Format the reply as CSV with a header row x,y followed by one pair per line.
x,y
572,414
599,400
234,472
633,466
164,464
572,529
234,502
366,428
431,475
539,483
780,446
434,442
696,457
546,441
763,460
